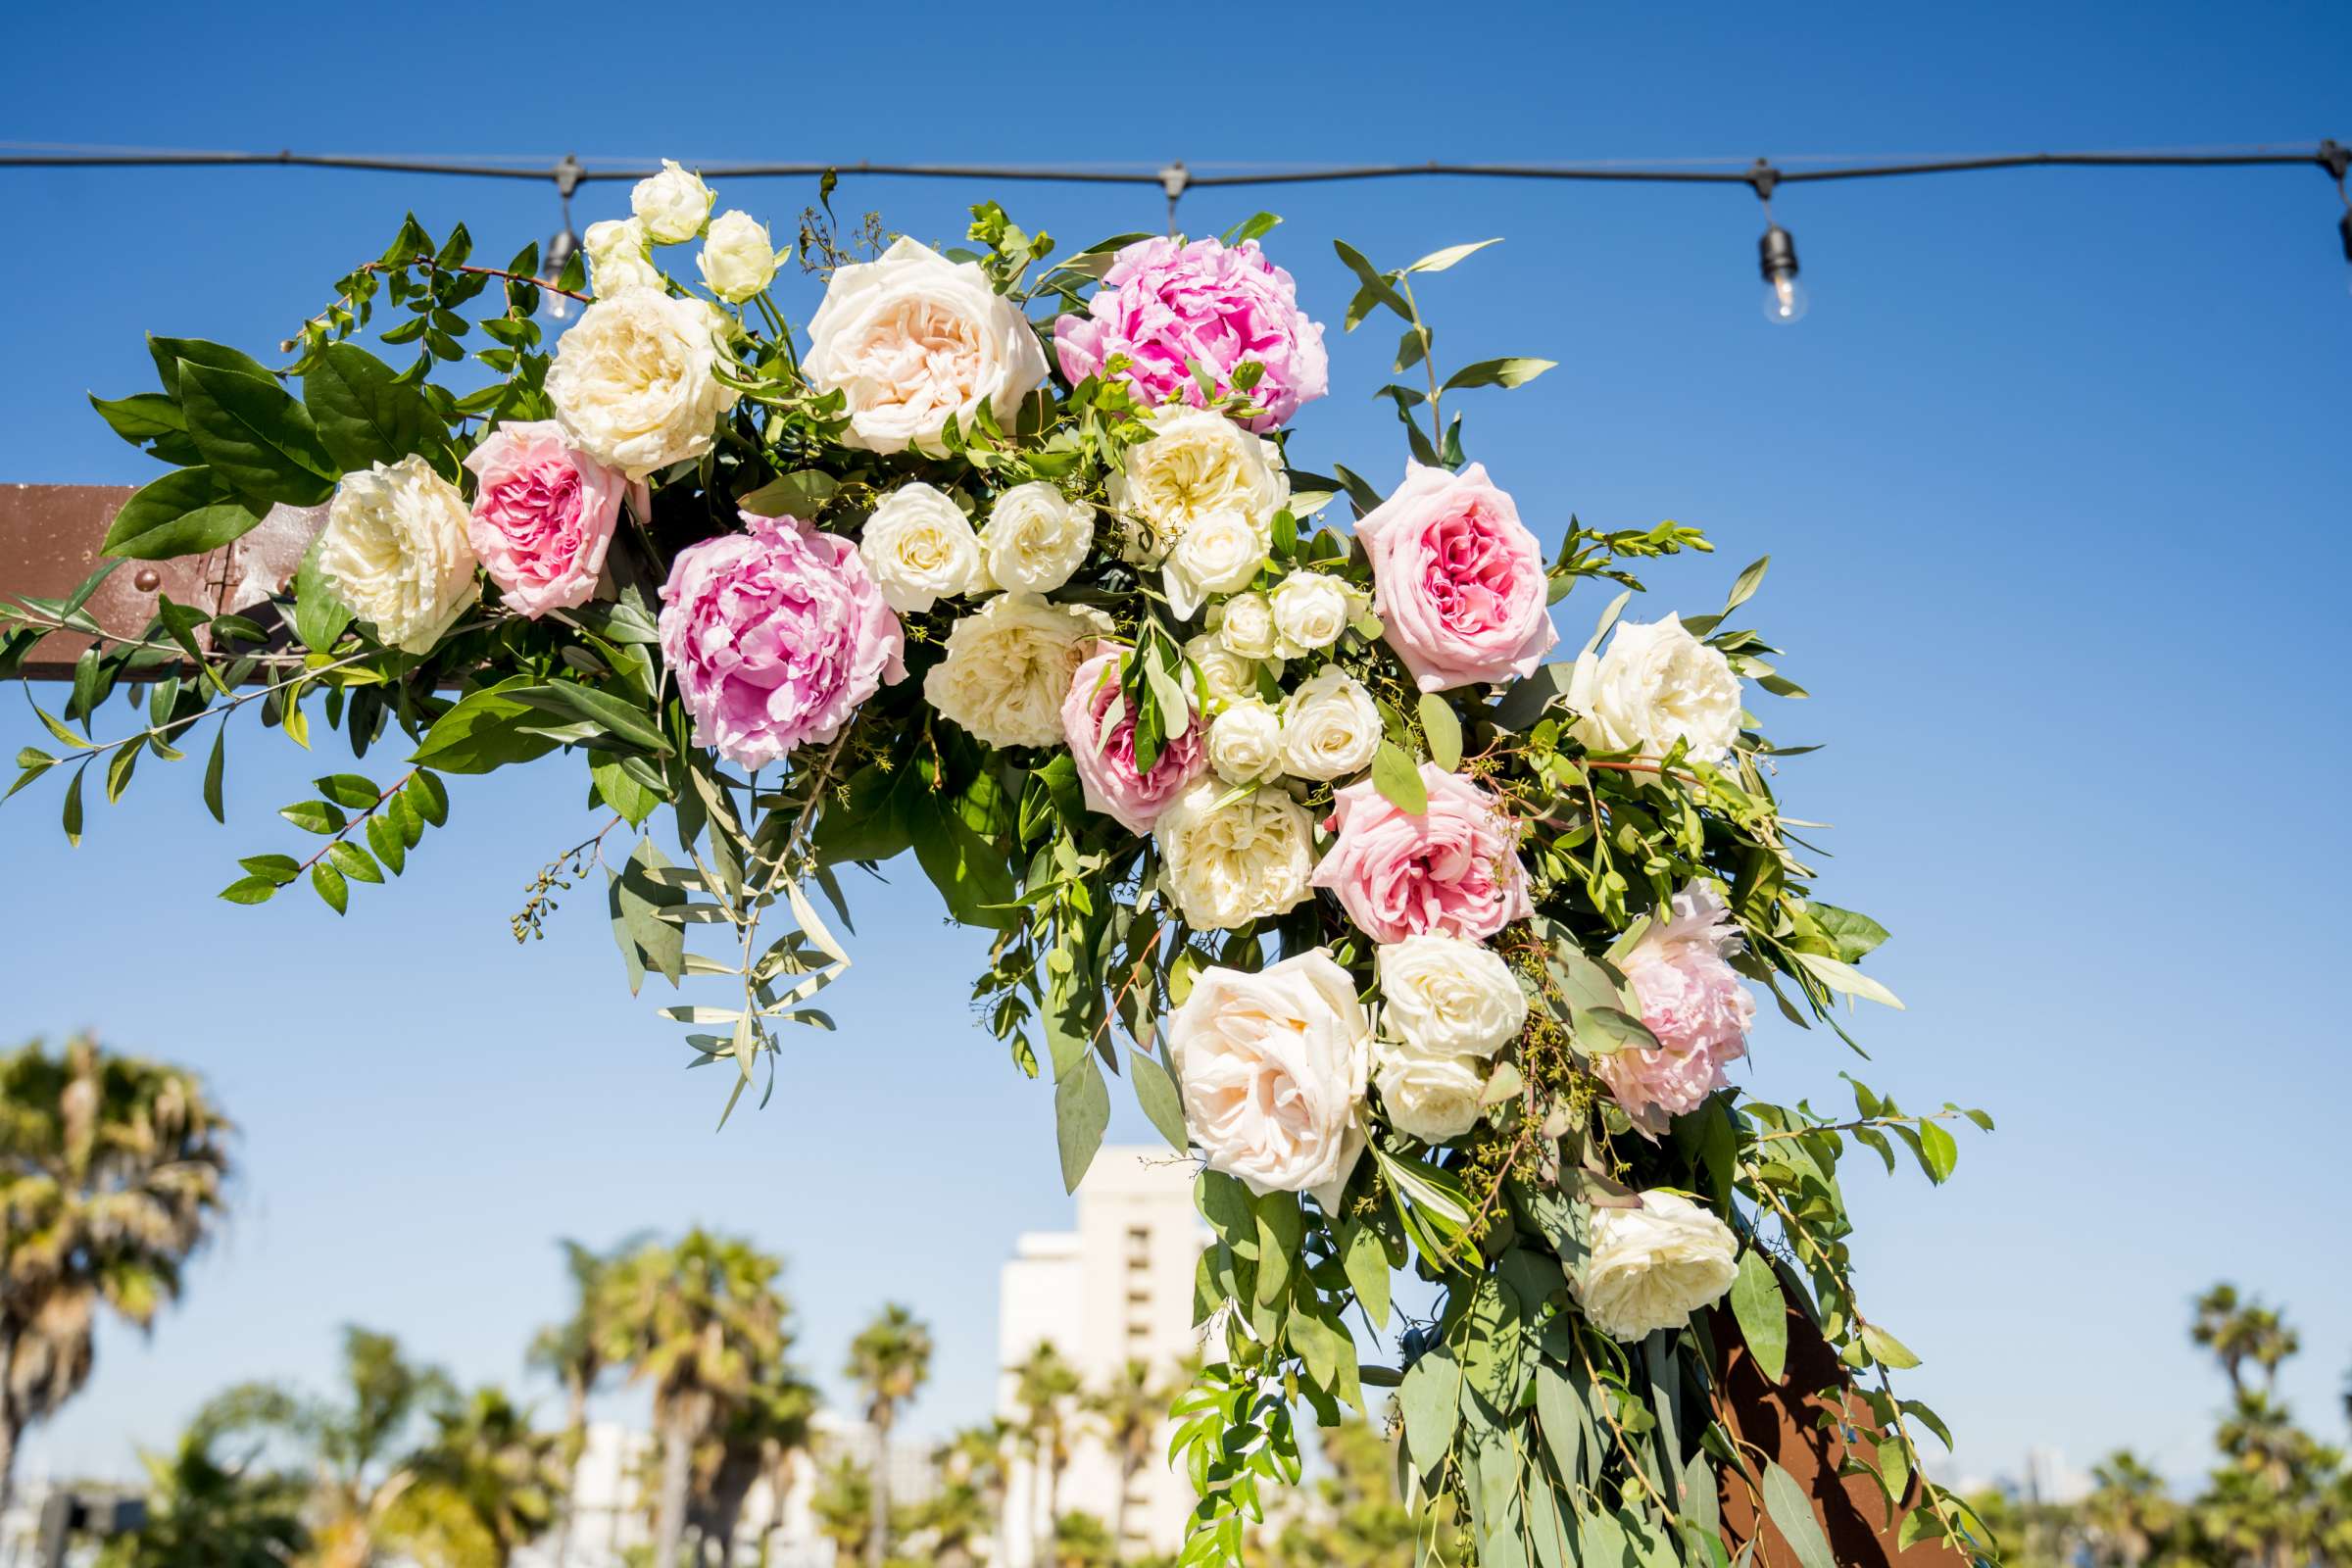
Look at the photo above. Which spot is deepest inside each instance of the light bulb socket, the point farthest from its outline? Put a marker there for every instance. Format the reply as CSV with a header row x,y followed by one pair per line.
x,y
1775,255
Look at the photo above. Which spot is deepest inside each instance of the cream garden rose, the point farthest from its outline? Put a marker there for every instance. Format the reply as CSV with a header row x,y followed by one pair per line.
x,y
618,259
395,548
673,204
912,340
738,259
1200,475
1652,1267
633,384
1244,625
920,549
1233,861
1428,1096
1225,674
1656,684
1311,609
1329,726
1036,537
1273,1067
1447,997
1245,743
1008,668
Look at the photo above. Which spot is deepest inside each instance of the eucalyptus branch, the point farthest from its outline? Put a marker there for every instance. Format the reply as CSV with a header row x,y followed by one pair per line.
x,y
1857,1125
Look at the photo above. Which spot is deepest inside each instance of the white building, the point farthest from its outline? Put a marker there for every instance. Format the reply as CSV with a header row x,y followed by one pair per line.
x,y
1117,1287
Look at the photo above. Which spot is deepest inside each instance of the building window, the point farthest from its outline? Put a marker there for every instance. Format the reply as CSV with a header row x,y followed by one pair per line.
x,y
1139,1246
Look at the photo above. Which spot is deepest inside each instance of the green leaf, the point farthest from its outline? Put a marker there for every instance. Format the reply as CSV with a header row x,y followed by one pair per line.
x,y
430,796
319,616
1792,1512
168,352
1887,1349
215,767
1744,587
314,817
622,790
250,889
799,494
384,837
1395,777
329,885
483,732
1444,730
1856,935
1498,372
149,422
571,700
255,436
1938,1151
354,862
1375,290
1762,1314
1431,1397
1365,1258
70,813
1560,1412
1439,260
1156,1093
1255,227
970,874
349,789
635,900
280,869
187,511
1080,1110
362,412
1848,979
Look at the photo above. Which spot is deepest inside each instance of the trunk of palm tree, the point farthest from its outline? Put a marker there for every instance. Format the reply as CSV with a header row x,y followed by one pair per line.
x,y
575,1437
10,1429
1053,1463
669,1521
1128,1469
877,1541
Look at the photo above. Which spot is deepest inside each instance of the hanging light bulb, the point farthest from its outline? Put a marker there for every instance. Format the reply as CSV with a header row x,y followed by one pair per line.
x,y
1784,298
2343,226
565,244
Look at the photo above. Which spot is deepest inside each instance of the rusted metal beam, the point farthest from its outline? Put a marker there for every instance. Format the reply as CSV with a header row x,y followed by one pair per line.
x,y
49,539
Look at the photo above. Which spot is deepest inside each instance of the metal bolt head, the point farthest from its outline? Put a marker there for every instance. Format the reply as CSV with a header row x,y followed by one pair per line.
x,y
147,579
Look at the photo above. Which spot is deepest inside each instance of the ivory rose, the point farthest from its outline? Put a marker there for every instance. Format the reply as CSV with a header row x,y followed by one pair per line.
x,y
1453,870
1168,306
1244,625
1329,726
1428,1095
618,259
1693,1000
913,340
1311,609
1449,998
1106,760
775,635
633,382
1200,473
1231,862
1458,583
396,549
1273,1068
1007,665
1245,743
1652,1267
543,516
1225,674
1036,537
921,549
671,206
1656,684
738,259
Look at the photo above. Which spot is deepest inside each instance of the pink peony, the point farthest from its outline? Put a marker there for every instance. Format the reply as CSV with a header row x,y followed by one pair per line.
x,y
543,516
1106,764
1451,871
1164,304
775,635
1457,579
1693,1001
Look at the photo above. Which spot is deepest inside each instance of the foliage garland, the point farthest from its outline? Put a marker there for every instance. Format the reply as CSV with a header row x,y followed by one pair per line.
x,y
736,577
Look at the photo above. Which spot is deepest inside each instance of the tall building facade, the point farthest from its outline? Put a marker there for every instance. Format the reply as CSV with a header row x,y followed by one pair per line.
x,y
1119,1287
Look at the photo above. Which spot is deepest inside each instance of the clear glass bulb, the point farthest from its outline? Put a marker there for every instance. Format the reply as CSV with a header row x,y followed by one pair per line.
x,y
1784,299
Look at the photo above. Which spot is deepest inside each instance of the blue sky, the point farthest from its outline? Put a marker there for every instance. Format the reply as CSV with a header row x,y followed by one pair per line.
x,y
2054,478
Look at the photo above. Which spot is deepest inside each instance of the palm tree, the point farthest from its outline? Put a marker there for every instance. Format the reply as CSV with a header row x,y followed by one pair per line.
x,y
975,1457
207,1511
757,1439
504,1474
2127,1513
889,1359
703,1322
1129,1409
112,1172
1044,1387
573,1351
2222,1325
844,1506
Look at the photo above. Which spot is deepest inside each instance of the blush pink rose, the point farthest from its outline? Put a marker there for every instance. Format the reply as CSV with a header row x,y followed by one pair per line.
x,y
1457,580
543,516
1451,871
1164,304
1106,764
1693,1001
775,636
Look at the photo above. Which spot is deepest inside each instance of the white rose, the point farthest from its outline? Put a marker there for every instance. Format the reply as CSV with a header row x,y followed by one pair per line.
x,y
1429,1097
1216,554
616,258
1273,1067
1197,466
1312,608
1231,862
1007,667
672,205
632,381
1656,684
1245,623
920,549
913,340
1652,1267
1227,675
1245,743
1449,997
395,548
1036,537
1330,728
738,259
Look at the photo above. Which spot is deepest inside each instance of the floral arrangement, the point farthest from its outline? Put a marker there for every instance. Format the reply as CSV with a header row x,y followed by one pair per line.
x,y
1431,946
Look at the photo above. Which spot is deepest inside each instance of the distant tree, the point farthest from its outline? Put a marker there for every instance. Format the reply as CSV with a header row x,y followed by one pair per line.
x,y
1128,1409
978,1459
844,1506
506,1476
1046,1388
888,1361
757,1437
209,1508
1354,1517
1082,1540
573,1351
112,1174
2129,1519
